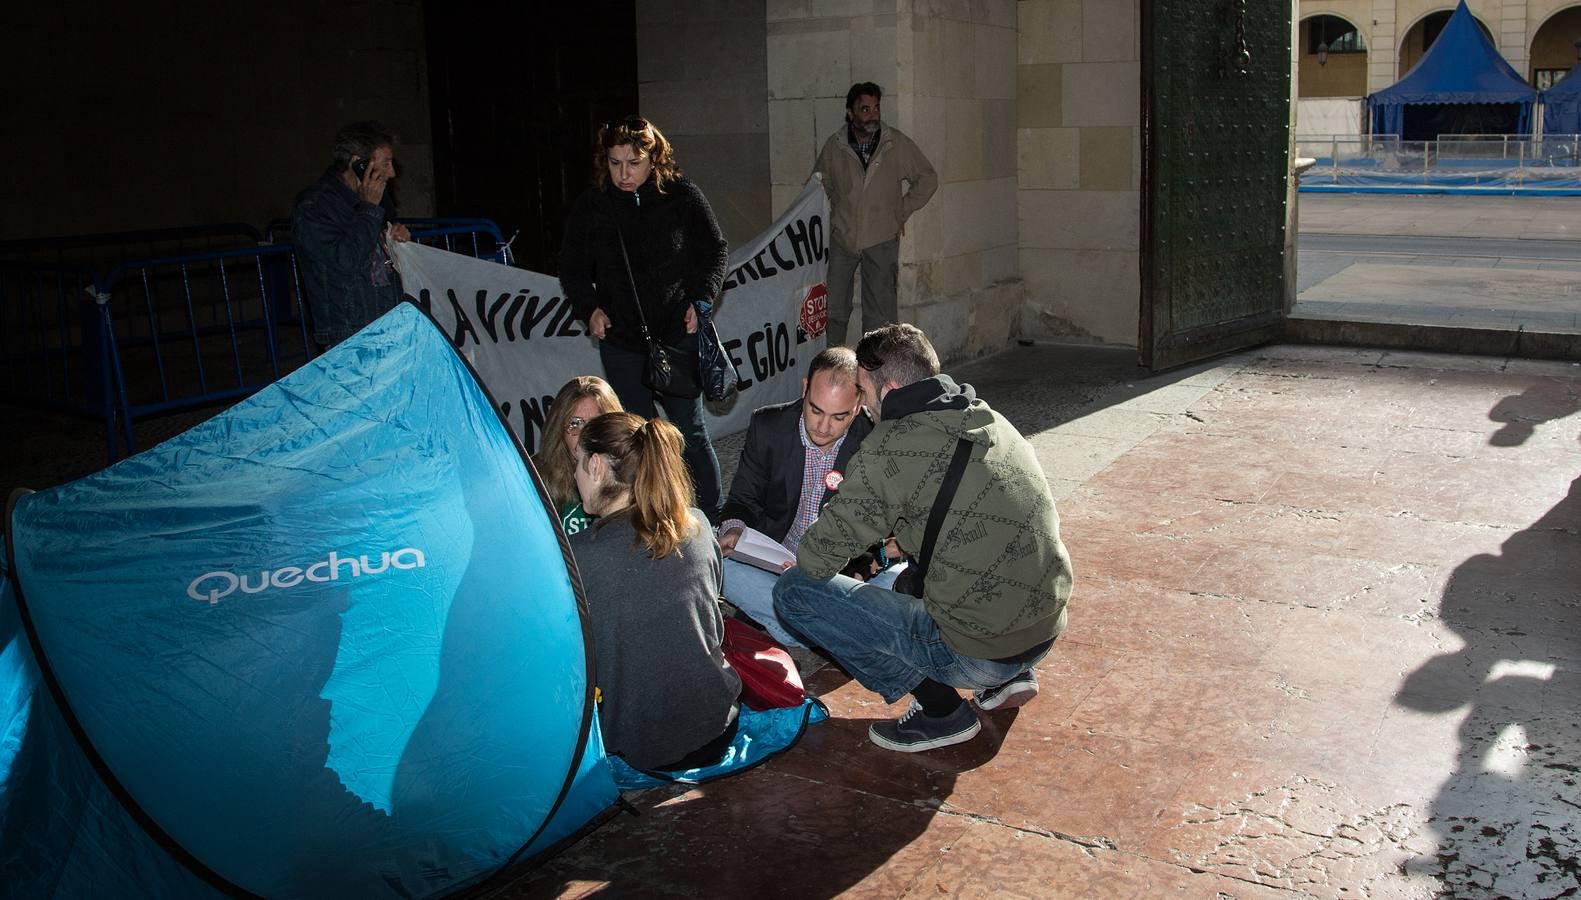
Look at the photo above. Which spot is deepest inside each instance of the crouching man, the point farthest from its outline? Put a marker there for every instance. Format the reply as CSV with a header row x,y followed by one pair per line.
x,y
998,578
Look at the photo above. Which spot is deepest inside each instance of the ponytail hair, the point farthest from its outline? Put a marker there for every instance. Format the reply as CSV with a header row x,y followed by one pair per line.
x,y
645,462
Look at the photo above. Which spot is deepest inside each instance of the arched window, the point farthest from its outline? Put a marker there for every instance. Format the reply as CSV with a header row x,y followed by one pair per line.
x,y
1327,35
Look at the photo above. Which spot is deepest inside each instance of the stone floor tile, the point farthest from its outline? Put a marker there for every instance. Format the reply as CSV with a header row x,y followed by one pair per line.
x,y
1296,576
1181,703
991,861
1289,828
766,835
1154,622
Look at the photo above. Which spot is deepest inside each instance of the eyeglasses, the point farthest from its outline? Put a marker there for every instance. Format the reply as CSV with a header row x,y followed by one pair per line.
x,y
869,361
575,424
630,123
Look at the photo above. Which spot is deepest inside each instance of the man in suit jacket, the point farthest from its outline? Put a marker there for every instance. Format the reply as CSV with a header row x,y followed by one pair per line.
x,y
792,463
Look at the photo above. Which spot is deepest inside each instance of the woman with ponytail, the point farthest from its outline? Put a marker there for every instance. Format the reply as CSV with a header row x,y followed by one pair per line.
x,y
651,571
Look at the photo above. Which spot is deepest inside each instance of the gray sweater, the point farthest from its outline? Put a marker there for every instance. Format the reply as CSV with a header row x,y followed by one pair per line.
x,y
656,632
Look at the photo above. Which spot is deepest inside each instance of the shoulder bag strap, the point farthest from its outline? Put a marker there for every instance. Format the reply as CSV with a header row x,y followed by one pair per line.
x,y
941,505
636,299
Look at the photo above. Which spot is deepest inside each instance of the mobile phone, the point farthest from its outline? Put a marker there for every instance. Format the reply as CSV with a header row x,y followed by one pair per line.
x,y
360,166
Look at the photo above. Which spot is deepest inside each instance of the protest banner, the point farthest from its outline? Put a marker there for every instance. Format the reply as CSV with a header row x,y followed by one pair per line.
x,y
522,337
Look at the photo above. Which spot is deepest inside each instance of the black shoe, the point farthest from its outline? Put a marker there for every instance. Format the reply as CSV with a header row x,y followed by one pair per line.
x,y
1018,691
917,731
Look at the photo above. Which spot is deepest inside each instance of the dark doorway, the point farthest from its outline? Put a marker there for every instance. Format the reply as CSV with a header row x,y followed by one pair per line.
x,y
1426,121
517,90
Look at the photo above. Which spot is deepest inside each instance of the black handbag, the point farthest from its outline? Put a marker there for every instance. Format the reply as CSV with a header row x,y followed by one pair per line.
x,y
721,379
911,580
666,371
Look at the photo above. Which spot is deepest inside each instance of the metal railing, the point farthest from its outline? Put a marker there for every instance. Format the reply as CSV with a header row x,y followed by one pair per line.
x,y
1510,162
149,336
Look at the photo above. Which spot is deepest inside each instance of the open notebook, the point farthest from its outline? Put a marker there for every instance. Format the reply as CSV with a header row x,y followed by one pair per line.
x,y
758,549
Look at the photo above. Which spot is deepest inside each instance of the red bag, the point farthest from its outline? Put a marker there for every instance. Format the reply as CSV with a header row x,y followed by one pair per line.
x,y
769,679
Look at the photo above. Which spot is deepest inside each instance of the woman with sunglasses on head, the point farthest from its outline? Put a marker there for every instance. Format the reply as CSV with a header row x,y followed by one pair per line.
x,y
651,572
582,399
644,234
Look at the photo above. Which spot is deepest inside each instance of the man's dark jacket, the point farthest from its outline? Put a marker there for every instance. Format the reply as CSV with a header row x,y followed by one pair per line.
x,y
767,486
339,239
677,253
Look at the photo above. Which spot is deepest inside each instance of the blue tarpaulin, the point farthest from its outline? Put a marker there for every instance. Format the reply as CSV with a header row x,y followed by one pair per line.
x,y
328,643
1462,67
1562,105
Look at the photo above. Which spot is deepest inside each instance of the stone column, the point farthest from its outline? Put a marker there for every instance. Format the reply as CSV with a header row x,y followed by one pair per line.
x,y
956,97
1080,168
1512,36
1383,52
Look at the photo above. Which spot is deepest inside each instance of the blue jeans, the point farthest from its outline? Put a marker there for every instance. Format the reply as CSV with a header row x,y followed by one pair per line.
x,y
751,590
623,369
885,639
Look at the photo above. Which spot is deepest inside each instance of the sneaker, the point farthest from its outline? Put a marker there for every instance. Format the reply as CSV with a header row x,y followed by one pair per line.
x,y
917,731
1018,691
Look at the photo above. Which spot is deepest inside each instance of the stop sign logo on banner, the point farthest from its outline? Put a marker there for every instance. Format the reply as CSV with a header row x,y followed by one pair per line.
x,y
815,310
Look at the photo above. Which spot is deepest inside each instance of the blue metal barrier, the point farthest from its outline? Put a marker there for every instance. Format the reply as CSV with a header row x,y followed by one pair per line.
x,y
200,329
475,237
481,238
168,333
51,341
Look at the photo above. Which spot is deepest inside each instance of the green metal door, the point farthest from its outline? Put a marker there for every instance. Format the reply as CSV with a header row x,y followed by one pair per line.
x,y
1216,145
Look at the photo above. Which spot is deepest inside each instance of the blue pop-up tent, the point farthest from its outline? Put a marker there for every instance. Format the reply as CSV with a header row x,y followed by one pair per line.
x,y
1463,68
329,643
1562,105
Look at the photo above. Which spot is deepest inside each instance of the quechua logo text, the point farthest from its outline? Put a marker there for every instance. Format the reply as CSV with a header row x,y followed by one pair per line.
x,y
211,587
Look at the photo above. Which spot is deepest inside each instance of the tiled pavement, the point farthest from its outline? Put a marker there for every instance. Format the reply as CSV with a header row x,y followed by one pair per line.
x,y
1324,642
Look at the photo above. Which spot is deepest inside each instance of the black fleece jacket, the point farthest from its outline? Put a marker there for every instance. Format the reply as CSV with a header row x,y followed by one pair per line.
x,y
676,250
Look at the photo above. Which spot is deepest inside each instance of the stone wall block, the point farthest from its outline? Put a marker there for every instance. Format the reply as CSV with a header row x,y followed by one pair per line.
x,y
1080,220
999,139
786,10
1085,293
1107,93
1048,31
1107,155
1049,158
960,60
1108,31
995,53
809,58
1040,96
793,146
995,317
963,134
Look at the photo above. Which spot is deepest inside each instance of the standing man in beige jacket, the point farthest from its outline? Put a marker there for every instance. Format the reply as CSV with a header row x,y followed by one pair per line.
x,y
876,178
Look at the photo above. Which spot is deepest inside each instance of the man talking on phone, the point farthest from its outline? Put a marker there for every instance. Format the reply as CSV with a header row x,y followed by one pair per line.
x,y
340,226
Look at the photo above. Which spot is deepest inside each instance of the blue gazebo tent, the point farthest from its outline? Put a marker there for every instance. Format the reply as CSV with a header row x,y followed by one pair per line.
x,y
1562,105
1461,69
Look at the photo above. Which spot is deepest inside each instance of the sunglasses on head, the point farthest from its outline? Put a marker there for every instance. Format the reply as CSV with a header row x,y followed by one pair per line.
x,y
630,123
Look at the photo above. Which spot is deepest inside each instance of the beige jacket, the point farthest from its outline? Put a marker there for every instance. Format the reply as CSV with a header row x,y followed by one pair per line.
x,y
869,207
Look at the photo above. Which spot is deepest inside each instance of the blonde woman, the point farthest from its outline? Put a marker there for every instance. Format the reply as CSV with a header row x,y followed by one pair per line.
x,y
641,245
582,399
651,572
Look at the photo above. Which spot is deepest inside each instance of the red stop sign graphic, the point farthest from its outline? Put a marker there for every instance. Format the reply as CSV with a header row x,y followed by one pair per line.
x,y
815,310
